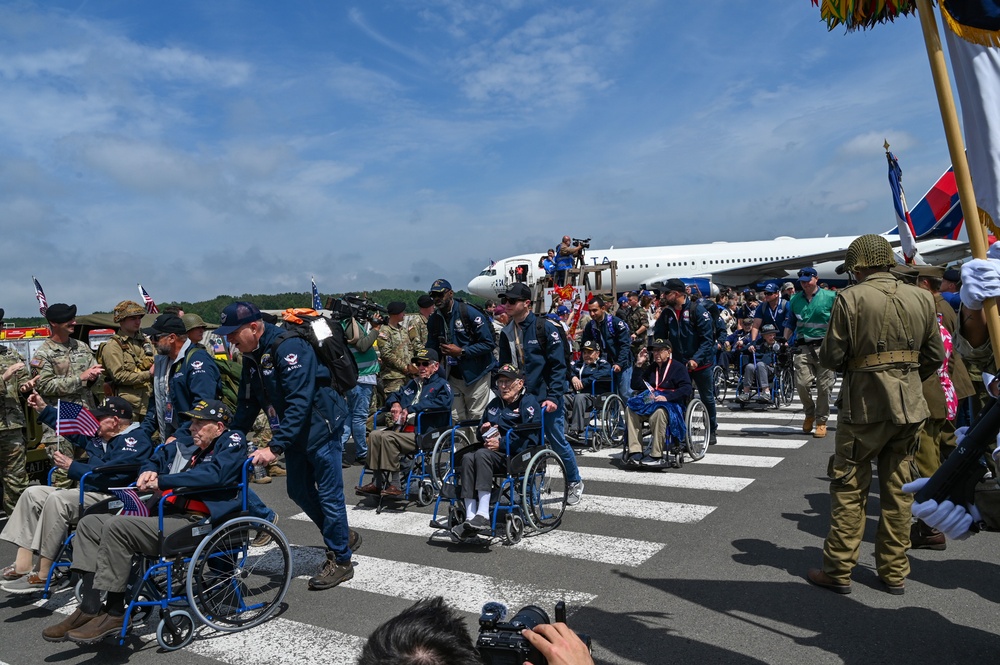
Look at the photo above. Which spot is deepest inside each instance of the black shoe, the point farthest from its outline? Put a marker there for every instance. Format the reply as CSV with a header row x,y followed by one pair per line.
x,y
635,459
649,460
462,531
712,439
361,461
478,523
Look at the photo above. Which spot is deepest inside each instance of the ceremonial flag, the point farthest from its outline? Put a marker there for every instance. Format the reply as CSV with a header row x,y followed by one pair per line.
x,y
151,307
75,419
317,303
133,505
907,236
43,304
977,79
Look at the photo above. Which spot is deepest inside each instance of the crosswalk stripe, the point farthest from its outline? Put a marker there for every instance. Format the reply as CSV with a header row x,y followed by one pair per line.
x,y
559,542
716,459
663,511
664,479
759,442
769,414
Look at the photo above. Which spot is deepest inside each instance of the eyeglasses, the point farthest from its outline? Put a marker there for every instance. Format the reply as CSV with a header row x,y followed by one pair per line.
x,y
424,363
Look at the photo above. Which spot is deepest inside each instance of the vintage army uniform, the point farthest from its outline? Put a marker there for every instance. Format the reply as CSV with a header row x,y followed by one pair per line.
x,y
126,362
59,367
12,460
883,336
394,354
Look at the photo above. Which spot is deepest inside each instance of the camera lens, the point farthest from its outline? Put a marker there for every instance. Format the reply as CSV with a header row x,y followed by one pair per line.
x,y
530,616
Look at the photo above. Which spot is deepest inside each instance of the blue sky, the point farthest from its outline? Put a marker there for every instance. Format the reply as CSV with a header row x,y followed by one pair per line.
x,y
228,147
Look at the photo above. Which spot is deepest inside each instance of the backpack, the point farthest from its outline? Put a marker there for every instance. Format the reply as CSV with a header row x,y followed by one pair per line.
x,y
327,339
463,312
543,343
230,372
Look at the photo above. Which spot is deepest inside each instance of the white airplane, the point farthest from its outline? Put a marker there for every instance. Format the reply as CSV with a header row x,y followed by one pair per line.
x,y
937,220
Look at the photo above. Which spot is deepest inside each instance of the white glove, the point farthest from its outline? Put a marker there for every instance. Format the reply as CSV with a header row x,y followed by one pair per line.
x,y
994,251
951,520
980,280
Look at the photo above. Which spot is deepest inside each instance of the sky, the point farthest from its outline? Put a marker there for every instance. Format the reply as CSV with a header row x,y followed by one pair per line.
x,y
229,147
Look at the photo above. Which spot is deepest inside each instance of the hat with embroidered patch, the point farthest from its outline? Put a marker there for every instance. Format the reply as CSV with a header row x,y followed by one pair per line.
x,y
113,406
211,409
425,355
591,345
236,315
510,372
661,343
440,286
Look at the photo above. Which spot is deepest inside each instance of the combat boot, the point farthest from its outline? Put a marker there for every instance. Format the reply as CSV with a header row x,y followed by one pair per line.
x,y
820,432
924,537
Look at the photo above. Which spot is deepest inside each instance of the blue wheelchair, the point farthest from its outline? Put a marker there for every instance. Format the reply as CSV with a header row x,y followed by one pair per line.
x,y
420,467
778,390
208,573
606,425
530,494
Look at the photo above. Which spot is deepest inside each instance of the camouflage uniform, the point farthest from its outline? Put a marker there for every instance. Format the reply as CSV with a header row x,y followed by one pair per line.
x,y
126,362
635,318
417,328
59,367
395,354
12,461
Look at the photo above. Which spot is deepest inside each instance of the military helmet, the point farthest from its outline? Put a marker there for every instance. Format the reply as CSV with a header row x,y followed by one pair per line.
x,y
869,251
127,308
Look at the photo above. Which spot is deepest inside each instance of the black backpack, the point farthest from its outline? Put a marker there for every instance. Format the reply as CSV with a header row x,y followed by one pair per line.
x,y
463,312
327,339
543,343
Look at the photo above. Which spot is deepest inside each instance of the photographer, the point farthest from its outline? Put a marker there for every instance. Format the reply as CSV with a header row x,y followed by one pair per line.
x,y
432,632
566,255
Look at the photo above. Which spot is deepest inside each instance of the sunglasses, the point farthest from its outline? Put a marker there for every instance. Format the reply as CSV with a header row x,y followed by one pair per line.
x,y
803,273
424,363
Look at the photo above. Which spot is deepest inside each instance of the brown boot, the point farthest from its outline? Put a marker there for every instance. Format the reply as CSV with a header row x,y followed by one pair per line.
x,y
95,630
275,470
820,432
807,425
821,579
924,537
57,633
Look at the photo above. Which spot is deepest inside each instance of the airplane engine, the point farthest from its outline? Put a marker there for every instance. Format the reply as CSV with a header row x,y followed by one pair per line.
x,y
704,285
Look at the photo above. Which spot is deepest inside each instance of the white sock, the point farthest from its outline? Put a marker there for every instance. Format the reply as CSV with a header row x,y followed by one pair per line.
x,y
470,508
484,504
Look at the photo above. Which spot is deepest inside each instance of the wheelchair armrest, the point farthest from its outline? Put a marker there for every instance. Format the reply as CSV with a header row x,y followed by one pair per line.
x,y
527,427
181,491
467,423
116,467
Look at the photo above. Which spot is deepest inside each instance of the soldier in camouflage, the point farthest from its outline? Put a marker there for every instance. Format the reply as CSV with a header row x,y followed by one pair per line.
x,y
425,305
127,358
14,379
67,371
638,322
395,351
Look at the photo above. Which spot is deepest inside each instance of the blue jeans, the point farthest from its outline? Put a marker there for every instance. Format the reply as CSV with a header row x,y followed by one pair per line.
x,y
706,391
257,508
358,402
624,383
316,483
555,438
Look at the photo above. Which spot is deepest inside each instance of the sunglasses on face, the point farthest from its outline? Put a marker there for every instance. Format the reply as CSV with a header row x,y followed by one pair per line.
x,y
424,363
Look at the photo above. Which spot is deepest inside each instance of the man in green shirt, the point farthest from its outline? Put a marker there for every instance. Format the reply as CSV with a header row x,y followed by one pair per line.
x,y
808,318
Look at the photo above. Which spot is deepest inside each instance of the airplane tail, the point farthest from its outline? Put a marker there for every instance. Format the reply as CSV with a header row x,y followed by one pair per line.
x,y
938,214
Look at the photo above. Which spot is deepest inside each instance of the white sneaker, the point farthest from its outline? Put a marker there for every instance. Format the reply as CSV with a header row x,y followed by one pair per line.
x,y
574,493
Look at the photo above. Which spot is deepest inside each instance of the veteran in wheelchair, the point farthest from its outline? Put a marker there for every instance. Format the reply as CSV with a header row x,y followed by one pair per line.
x,y
105,544
590,376
663,387
44,515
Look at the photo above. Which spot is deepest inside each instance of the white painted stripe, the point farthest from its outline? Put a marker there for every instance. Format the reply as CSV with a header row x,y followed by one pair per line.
x,y
662,511
759,442
559,542
664,479
717,459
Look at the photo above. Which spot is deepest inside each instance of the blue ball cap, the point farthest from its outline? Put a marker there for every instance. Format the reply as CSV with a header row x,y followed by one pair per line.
x,y
562,309
807,273
771,288
440,286
235,315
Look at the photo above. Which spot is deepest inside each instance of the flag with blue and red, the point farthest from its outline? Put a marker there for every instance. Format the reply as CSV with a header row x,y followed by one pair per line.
x,y
317,303
132,503
75,419
147,300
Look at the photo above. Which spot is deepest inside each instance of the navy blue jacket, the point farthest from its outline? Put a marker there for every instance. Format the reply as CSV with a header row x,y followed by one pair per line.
x,y
776,318
675,384
599,372
297,386
435,395
477,344
219,464
132,446
692,334
544,374
195,376
525,409
615,339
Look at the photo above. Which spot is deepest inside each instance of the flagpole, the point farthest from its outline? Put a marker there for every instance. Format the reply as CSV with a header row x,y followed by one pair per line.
x,y
956,148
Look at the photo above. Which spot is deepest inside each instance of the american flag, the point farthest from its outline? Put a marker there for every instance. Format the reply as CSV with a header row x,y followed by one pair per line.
x,y
43,304
151,307
133,504
317,303
75,419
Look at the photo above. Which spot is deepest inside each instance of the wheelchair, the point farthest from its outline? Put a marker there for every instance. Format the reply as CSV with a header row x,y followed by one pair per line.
x,y
208,573
782,383
420,472
698,428
606,423
530,495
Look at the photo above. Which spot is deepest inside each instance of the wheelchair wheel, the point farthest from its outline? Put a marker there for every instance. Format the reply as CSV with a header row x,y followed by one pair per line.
x,y
787,385
440,459
231,589
613,421
544,491
425,493
78,592
720,383
182,633
699,429
513,529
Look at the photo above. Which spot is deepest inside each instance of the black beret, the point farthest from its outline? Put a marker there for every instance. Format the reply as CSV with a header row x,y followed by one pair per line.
x,y
425,301
60,313
396,307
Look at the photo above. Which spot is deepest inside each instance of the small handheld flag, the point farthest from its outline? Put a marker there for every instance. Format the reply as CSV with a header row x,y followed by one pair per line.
x,y
151,307
75,419
43,304
317,303
133,504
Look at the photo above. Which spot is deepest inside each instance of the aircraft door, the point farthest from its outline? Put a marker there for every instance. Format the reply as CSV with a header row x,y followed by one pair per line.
x,y
519,271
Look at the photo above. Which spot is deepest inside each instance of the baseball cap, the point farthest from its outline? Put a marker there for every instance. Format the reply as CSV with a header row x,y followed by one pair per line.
x,y
211,409
427,355
660,343
552,316
623,300
951,274
440,286
510,372
787,285
517,291
768,328
591,345
807,273
166,324
235,315
113,406
562,309
771,288
674,284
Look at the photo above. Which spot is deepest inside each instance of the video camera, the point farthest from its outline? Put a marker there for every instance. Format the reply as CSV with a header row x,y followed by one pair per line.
x,y
582,242
357,307
501,643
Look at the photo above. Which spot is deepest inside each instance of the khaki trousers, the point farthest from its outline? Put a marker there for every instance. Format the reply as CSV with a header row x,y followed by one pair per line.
x,y
658,431
807,367
384,449
40,521
937,440
470,399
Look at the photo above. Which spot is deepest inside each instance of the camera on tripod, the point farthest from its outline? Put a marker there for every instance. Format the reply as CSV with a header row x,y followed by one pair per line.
x,y
357,307
582,242
501,643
